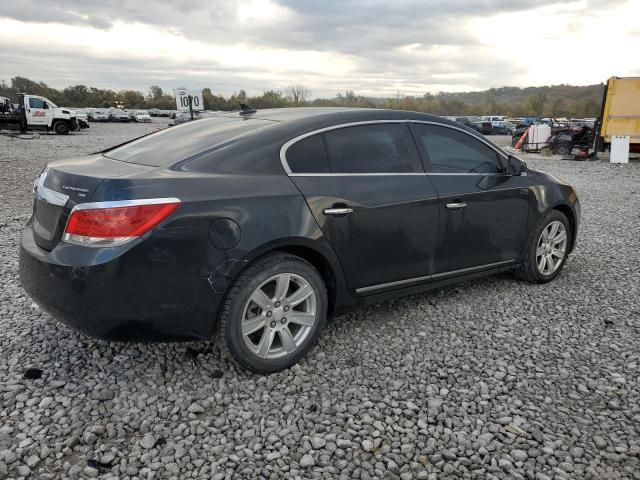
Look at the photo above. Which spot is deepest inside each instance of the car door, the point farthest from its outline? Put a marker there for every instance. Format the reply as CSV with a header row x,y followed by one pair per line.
x,y
483,211
37,111
368,191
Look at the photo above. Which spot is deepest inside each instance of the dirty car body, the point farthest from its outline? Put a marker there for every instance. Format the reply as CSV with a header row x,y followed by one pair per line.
x,y
236,193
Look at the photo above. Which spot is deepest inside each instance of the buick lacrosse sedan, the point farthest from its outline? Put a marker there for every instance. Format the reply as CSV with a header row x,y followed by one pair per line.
x,y
251,228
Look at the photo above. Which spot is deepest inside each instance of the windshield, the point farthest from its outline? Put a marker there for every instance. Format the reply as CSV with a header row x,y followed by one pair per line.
x,y
181,142
142,112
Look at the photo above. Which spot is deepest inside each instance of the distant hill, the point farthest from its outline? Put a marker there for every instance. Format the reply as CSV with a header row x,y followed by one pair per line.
x,y
549,101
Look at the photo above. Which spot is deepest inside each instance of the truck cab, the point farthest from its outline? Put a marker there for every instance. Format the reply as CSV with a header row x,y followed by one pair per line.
x,y
38,113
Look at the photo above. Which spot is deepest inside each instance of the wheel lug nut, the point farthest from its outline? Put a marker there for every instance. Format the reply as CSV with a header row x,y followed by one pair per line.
x,y
273,324
286,309
269,313
277,304
284,320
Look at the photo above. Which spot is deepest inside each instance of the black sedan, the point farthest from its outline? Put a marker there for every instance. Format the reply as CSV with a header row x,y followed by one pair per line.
x,y
252,228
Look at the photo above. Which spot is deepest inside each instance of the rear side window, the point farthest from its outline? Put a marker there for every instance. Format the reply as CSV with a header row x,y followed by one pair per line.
x,y
451,151
308,156
184,141
375,148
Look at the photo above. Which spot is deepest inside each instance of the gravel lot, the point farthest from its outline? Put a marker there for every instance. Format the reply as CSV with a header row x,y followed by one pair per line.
x,y
489,379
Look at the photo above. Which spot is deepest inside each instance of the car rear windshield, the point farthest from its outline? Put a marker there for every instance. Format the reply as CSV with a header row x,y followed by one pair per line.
x,y
184,141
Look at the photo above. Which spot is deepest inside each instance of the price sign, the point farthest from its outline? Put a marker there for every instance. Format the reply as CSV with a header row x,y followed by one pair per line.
x,y
182,99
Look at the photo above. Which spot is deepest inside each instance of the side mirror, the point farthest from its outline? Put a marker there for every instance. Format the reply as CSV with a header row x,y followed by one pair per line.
x,y
516,166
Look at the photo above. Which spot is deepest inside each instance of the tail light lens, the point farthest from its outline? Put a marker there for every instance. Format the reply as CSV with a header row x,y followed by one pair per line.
x,y
106,224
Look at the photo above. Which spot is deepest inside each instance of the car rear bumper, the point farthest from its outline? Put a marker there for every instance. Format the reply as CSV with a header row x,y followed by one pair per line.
x,y
127,298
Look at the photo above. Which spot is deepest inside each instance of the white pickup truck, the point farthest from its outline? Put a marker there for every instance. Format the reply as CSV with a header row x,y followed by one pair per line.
x,y
34,112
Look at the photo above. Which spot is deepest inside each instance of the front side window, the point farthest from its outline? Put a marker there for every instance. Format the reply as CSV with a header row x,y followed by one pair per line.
x,y
36,103
308,156
373,148
452,151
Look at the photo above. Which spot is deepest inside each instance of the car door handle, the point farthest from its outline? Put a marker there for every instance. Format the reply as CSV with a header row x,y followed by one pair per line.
x,y
456,206
337,211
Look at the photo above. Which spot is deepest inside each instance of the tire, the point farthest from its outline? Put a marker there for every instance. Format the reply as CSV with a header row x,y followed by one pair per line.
x,y
269,321
61,127
562,148
530,270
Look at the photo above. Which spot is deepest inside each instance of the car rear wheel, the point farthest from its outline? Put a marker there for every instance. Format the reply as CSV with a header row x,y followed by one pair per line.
x,y
273,313
547,249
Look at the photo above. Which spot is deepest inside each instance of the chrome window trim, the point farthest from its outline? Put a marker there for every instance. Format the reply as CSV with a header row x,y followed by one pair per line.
x,y
286,145
390,174
435,276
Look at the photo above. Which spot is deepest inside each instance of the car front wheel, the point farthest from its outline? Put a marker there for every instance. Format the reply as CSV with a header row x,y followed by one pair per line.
x,y
61,128
547,249
273,313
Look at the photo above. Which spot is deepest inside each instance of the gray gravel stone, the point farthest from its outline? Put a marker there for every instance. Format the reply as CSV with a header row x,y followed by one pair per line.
x,y
148,441
318,442
519,455
307,461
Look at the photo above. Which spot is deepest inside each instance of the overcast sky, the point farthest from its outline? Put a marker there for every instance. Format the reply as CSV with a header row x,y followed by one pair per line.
x,y
373,47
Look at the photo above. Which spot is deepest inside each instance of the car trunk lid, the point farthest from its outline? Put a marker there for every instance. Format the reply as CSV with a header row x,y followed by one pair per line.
x,y
67,183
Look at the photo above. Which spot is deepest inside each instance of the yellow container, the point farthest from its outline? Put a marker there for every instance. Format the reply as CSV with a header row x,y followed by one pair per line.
x,y
621,112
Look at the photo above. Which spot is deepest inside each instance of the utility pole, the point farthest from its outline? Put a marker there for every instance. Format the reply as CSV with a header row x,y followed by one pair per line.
x,y
191,106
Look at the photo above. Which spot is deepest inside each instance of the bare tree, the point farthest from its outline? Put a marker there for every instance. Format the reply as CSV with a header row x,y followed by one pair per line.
x,y
297,94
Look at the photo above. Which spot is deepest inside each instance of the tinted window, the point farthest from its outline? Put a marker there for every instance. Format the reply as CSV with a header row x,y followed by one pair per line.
x,y
451,151
36,103
377,148
179,143
308,156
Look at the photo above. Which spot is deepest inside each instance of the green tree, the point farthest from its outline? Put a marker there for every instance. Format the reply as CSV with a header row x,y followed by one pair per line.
x,y
77,96
131,99
155,92
534,104
212,101
297,94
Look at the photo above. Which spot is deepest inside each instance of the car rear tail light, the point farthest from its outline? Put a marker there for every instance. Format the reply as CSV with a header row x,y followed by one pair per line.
x,y
106,224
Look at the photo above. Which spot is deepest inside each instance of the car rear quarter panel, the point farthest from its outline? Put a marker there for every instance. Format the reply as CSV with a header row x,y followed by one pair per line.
x,y
268,209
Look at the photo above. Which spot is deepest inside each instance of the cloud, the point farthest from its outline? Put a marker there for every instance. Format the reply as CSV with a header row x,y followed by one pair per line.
x,y
374,47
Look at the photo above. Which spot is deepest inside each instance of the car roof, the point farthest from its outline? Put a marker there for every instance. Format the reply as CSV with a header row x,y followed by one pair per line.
x,y
306,118
333,114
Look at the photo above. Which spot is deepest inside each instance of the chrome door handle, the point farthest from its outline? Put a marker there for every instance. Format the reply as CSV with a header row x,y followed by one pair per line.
x,y
337,211
456,206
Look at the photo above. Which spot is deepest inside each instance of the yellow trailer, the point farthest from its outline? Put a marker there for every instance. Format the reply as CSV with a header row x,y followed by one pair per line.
x,y
620,114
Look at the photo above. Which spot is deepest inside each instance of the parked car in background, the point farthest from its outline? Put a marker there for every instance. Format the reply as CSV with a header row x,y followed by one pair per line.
x,y
141,116
493,118
98,116
184,117
82,119
501,127
482,126
154,112
254,228
119,115
463,120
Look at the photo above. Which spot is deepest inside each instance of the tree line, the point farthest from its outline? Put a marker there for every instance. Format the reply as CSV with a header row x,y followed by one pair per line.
x,y
548,101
